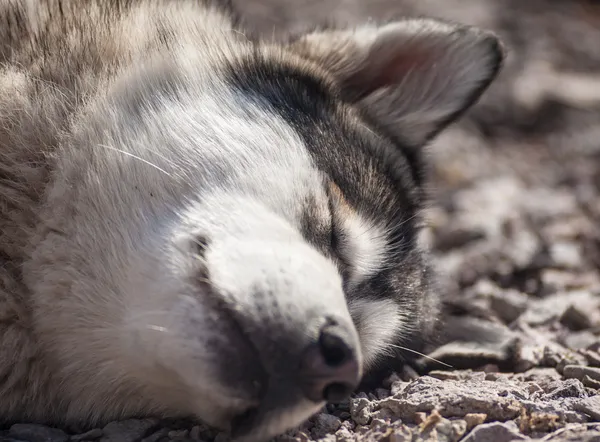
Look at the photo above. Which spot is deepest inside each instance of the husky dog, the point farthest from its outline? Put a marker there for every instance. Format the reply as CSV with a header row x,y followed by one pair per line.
x,y
198,223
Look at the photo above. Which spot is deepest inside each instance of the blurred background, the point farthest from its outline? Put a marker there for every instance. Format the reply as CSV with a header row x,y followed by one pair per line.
x,y
515,211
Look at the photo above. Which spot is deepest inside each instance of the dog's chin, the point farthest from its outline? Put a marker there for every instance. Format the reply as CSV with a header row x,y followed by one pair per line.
x,y
282,408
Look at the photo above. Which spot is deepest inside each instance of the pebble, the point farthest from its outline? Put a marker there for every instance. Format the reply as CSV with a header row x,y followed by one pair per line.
x,y
325,424
474,419
591,407
509,304
579,371
496,432
37,433
131,430
576,318
158,436
94,434
360,410
579,340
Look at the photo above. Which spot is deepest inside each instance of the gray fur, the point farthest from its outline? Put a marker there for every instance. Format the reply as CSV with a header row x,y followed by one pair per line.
x,y
166,209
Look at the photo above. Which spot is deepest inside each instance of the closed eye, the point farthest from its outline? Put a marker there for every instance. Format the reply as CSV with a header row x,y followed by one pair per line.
x,y
359,244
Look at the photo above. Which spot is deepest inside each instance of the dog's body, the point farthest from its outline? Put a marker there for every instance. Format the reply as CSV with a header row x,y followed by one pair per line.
x,y
183,212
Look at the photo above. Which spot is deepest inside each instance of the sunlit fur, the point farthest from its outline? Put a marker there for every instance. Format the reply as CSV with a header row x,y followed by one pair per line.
x,y
162,174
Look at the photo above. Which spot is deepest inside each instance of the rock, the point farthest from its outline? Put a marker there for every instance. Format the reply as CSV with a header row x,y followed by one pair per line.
x,y
579,371
574,433
37,433
474,419
456,375
195,432
360,410
496,432
592,357
591,383
538,422
178,434
544,311
579,340
130,430
94,434
509,304
590,406
158,436
571,388
324,424
576,318
455,399
566,255
453,238
473,342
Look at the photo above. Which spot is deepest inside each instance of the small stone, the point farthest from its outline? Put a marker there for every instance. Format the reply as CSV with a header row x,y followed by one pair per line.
x,y
178,434
495,431
159,436
537,422
570,388
590,406
360,410
224,437
344,435
576,318
579,371
130,430
383,414
570,359
460,427
397,387
474,419
593,358
566,255
325,424
37,433
350,425
579,340
591,383
509,305
409,373
445,375
195,432
94,434
382,393
402,434
550,357
456,398
344,415
389,381
431,421
419,418
454,238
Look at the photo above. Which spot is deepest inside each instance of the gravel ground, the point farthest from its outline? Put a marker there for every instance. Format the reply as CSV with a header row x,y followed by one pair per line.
x,y
515,225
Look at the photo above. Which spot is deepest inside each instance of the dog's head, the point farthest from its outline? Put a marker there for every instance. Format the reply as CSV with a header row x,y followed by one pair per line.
x,y
264,211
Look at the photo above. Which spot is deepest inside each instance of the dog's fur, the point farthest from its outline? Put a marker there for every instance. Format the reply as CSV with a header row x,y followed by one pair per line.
x,y
179,204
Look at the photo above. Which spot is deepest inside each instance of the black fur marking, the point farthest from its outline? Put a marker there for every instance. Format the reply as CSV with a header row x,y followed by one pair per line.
x,y
374,171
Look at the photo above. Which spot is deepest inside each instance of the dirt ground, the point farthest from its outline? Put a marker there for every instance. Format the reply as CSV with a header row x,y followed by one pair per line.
x,y
515,225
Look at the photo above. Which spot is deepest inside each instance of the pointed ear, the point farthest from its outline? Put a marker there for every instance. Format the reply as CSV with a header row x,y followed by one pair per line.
x,y
415,76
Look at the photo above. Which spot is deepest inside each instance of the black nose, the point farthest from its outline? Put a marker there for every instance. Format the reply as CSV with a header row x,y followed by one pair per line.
x,y
331,370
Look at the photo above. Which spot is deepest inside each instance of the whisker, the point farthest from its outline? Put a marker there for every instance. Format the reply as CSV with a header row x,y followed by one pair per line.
x,y
136,157
421,354
158,328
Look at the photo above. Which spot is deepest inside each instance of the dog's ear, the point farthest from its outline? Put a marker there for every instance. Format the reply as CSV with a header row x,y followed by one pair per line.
x,y
415,76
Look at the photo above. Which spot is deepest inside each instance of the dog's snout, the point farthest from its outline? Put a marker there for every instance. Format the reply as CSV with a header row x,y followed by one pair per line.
x,y
331,368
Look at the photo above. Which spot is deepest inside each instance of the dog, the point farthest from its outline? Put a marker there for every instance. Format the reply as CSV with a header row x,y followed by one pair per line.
x,y
198,222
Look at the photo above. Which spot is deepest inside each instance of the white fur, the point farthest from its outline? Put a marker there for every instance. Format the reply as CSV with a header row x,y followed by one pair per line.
x,y
365,248
381,323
